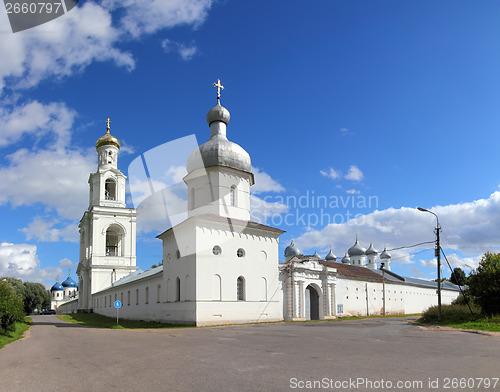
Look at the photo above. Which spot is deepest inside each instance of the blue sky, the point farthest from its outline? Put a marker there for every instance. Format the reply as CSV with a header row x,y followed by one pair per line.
x,y
387,104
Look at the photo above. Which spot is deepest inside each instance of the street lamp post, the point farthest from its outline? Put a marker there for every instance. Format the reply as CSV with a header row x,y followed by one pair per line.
x,y
438,256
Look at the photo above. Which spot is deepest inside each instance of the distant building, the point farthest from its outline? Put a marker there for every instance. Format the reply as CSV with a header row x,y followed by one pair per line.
x,y
61,293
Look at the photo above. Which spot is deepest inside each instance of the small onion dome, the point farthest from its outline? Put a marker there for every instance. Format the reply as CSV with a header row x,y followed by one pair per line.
x,y
371,250
218,113
57,287
291,250
385,254
69,282
356,250
107,140
330,256
346,259
316,255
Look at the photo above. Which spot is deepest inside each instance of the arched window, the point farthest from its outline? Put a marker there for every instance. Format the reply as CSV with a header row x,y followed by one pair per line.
x,y
240,287
232,196
110,189
113,241
177,289
110,157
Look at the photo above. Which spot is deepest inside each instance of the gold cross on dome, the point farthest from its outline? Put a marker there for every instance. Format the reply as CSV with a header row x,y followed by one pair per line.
x,y
108,121
219,87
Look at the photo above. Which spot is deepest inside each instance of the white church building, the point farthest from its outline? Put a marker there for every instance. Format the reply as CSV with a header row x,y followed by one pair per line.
x,y
219,267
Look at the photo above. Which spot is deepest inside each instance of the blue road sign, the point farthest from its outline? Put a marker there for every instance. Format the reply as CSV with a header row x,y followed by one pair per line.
x,y
118,304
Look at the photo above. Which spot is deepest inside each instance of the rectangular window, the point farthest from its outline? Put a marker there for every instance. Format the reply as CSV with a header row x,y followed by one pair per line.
x,y
137,296
110,300
340,308
121,297
105,301
128,298
147,295
115,296
158,293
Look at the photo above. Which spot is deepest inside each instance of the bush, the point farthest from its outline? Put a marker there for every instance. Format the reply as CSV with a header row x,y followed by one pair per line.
x,y
11,308
450,313
484,284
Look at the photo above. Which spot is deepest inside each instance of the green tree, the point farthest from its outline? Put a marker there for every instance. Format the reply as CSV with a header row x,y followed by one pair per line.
x,y
484,284
159,264
11,307
17,285
458,277
36,297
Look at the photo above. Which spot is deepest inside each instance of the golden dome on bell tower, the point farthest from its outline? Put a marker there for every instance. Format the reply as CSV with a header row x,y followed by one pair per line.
x,y
107,139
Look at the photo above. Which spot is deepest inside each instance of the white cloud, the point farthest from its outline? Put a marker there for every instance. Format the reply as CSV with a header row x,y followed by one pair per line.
x,y
345,131
37,119
470,228
175,174
465,263
264,183
262,211
18,261
185,51
331,173
56,179
354,174
65,45
21,261
353,192
148,16
45,230
90,33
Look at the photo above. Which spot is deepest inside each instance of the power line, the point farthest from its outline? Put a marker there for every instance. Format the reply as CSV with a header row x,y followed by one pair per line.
x,y
412,246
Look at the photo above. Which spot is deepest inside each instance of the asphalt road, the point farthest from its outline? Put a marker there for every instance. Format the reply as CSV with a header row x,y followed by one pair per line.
x,y
58,356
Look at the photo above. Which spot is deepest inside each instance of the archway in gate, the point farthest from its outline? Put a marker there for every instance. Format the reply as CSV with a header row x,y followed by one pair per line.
x,y
311,303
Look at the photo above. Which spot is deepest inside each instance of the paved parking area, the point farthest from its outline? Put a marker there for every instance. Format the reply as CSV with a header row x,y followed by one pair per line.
x,y
58,356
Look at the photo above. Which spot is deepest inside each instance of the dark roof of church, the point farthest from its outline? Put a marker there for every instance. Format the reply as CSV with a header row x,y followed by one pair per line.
x,y
352,270
231,221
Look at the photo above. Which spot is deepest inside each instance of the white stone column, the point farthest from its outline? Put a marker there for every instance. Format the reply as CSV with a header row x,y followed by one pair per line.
x,y
326,298
300,290
289,298
333,298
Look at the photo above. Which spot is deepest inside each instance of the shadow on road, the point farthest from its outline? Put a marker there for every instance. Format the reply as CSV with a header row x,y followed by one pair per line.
x,y
53,320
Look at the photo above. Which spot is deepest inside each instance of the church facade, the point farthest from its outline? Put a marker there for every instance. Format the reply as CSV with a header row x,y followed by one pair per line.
x,y
219,267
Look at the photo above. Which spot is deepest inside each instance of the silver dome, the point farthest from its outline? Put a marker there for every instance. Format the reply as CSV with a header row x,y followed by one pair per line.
x,y
371,250
330,256
218,113
316,255
356,250
291,250
385,254
219,151
346,259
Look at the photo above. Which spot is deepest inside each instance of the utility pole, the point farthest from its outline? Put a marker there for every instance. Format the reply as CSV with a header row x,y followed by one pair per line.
x,y
438,256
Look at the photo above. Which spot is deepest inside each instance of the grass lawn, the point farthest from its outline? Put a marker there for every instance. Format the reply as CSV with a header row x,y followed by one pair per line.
x,y
459,316
17,333
96,320
481,323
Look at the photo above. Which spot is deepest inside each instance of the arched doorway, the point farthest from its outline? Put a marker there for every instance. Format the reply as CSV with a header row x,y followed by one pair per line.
x,y
311,303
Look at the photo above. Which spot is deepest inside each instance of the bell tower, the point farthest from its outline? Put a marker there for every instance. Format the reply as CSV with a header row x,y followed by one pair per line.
x,y
107,228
